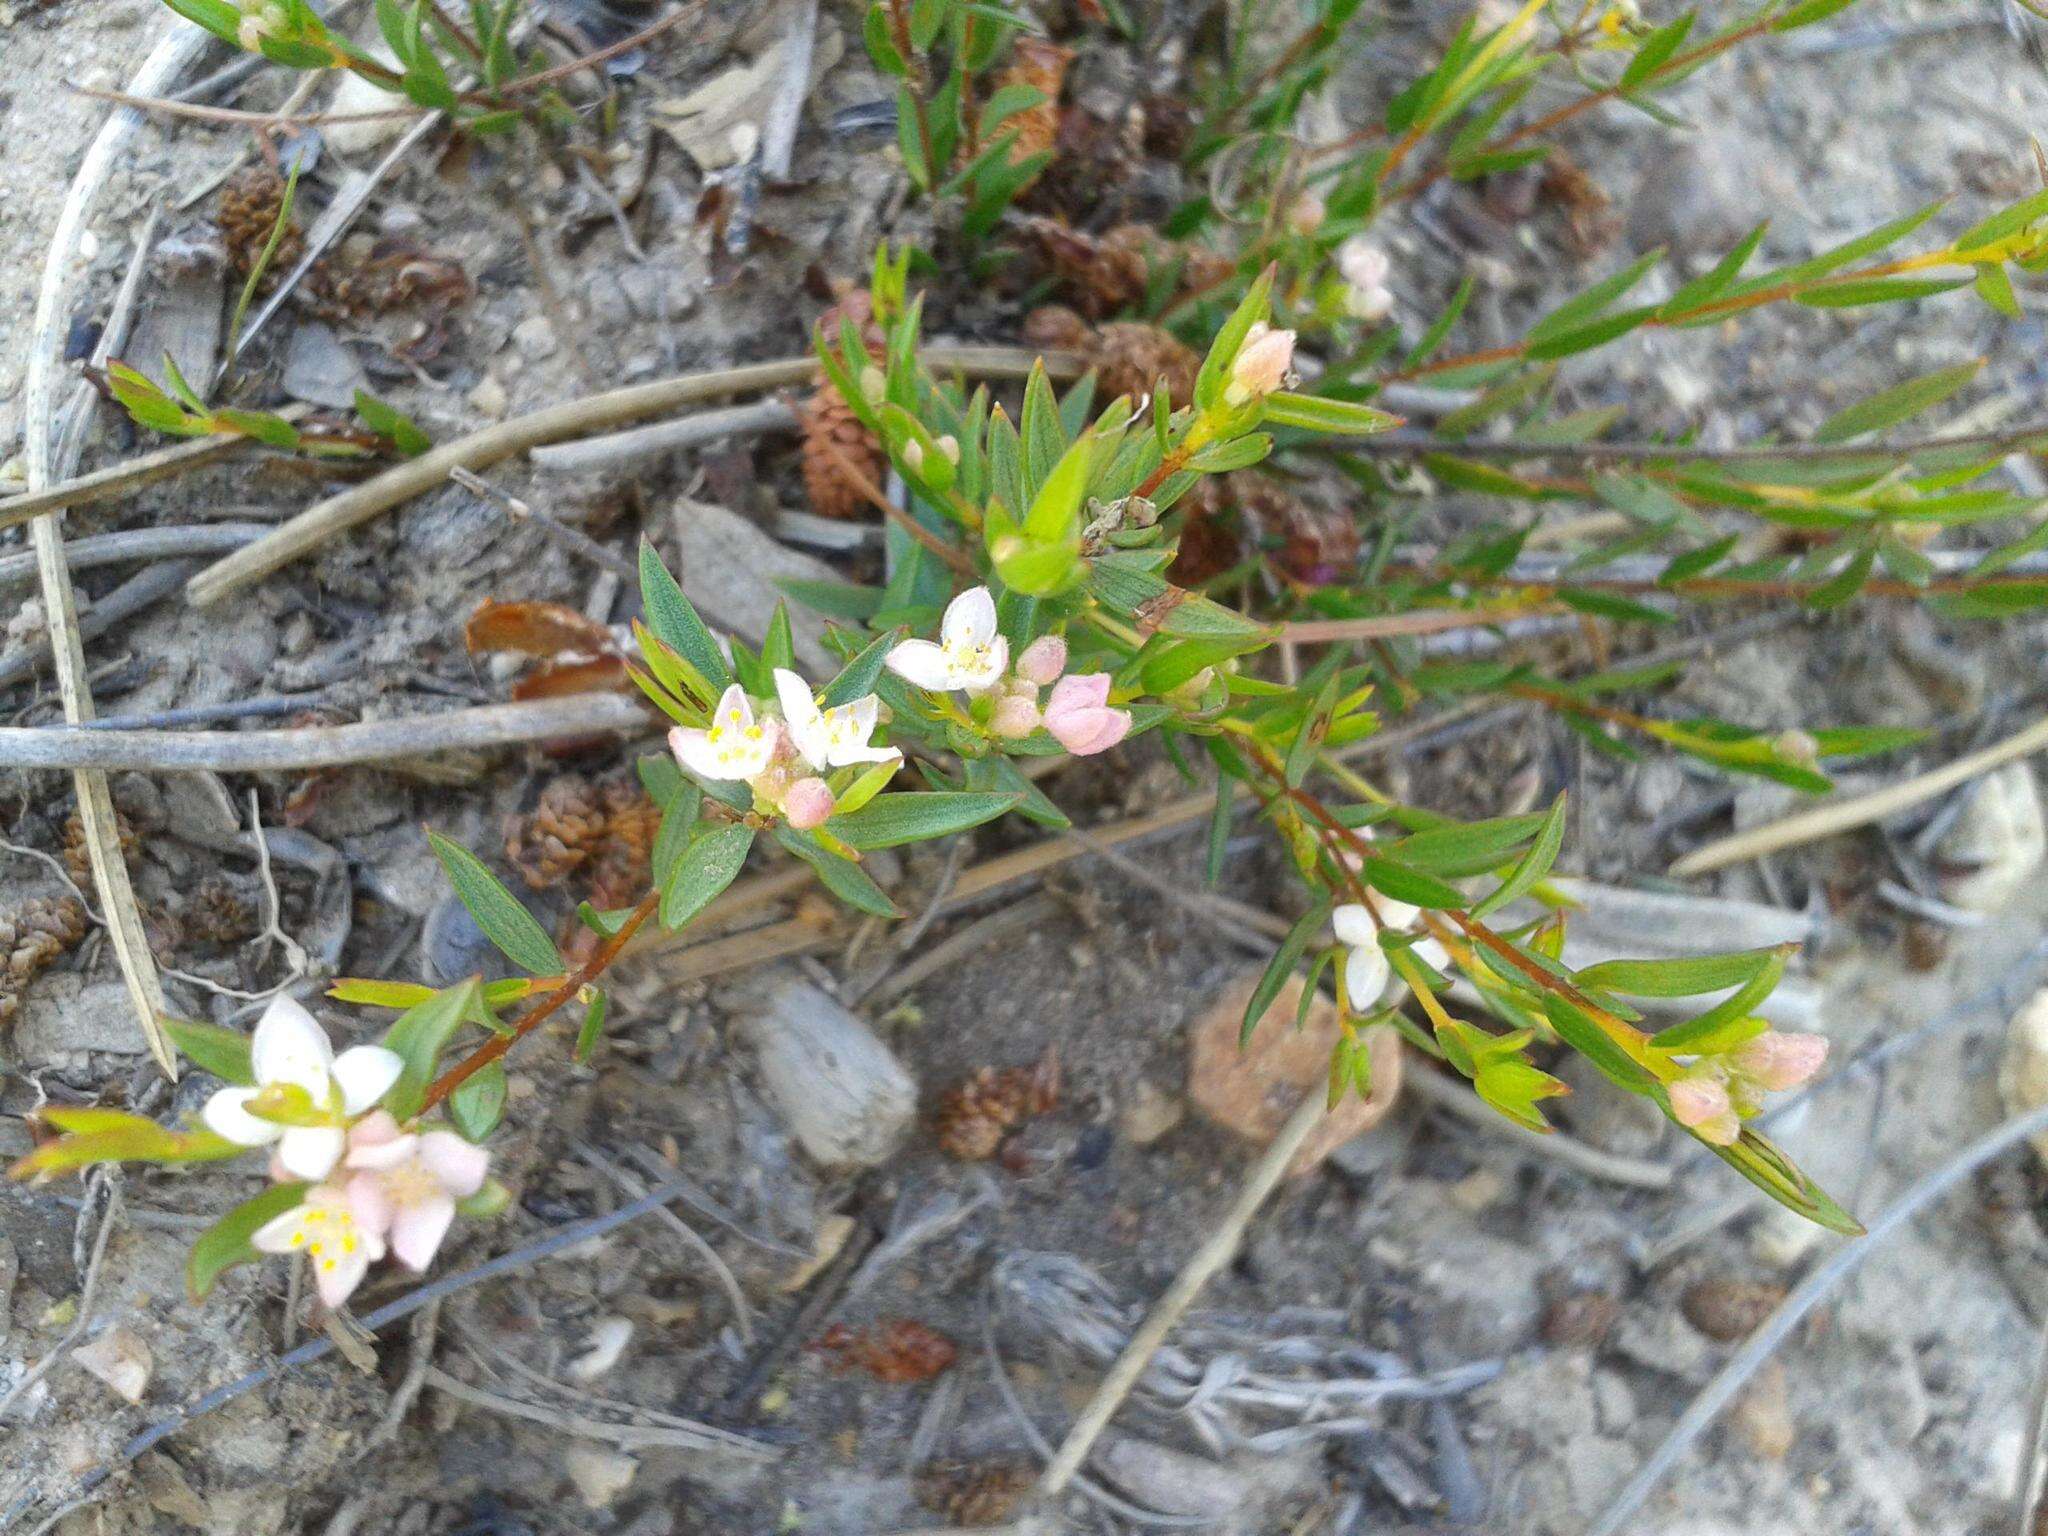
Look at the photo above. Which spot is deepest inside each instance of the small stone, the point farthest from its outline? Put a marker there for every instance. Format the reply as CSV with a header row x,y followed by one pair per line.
x,y
841,1092
1728,1309
121,1360
1762,1415
489,399
534,338
1614,1403
1250,1092
2023,1073
1477,1190
65,1012
1150,1113
1581,1320
608,1339
1996,845
600,1475
320,370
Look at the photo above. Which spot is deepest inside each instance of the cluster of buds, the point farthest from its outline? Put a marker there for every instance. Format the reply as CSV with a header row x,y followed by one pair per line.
x,y
260,19
1718,1093
781,757
1368,975
1365,268
972,657
370,1186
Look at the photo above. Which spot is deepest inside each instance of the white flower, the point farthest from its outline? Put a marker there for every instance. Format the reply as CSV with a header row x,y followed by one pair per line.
x,y
1365,269
1261,365
969,653
1367,972
735,747
299,1076
829,738
340,1228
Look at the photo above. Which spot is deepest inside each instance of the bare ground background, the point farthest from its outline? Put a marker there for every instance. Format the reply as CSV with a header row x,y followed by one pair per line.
x,y
1597,1309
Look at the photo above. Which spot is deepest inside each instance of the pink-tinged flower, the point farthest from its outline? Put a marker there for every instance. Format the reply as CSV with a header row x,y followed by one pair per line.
x,y
735,745
969,654
1702,1106
1043,660
340,1228
415,1180
1261,364
1016,716
304,1094
1306,213
807,803
1775,1061
1079,716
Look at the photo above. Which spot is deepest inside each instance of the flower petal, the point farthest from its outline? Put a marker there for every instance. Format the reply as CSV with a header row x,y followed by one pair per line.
x,y
365,1074
369,1204
1078,691
808,731
1398,914
276,1234
225,1116
694,751
310,1151
458,1166
970,619
336,1275
417,1230
734,708
922,665
1354,925
291,1047
379,1155
1365,977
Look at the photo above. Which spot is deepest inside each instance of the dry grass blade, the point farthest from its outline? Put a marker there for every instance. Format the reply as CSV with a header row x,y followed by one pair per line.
x,y
95,806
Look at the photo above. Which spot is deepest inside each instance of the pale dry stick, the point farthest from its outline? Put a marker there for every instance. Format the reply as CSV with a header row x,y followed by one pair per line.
x,y
95,806
326,230
132,475
1217,1250
143,590
1851,811
171,543
571,538
640,444
1811,1292
703,1437
553,424
78,410
328,746
199,112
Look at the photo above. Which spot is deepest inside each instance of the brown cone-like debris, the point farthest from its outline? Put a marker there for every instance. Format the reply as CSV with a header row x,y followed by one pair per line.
x,y
838,452
975,1116
31,937
250,202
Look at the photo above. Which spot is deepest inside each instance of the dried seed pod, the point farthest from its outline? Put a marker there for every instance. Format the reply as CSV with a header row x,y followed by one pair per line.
x,y
76,857
560,835
1057,328
217,913
250,201
32,937
898,1350
1728,1309
974,1493
837,450
975,1116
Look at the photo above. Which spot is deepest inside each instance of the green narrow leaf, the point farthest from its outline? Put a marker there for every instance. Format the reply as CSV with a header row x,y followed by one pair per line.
x,y
501,915
1280,967
419,1035
594,1009
223,1052
675,622
1397,880
842,877
856,679
478,1104
1889,407
1697,1032
712,863
890,820
1687,976
226,1243
1534,865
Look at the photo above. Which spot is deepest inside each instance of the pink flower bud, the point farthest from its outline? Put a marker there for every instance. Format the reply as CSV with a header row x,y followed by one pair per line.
x,y
1261,364
1306,213
1079,717
1016,717
1702,1106
807,803
1776,1062
1043,660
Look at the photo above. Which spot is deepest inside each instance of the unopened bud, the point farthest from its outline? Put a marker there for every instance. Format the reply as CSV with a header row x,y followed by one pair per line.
x,y
1261,365
913,455
949,445
874,384
1043,660
1016,716
1796,746
1306,213
807,803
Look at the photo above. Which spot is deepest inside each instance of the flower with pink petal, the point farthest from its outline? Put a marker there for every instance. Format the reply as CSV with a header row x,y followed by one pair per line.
x,y
1079,716
1261,365
417,1177
339,1227
1776,1061
807,803
1016,715
1701,1104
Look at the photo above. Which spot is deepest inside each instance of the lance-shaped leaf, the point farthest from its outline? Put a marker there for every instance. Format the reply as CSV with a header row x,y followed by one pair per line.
x,y
223,1052
711,863
888,821
226,1243
501,915
93,1135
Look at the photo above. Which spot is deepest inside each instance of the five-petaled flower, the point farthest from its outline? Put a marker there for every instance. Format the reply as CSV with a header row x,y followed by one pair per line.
x,y
414,1179
339,1227
1366,968
304,1095
1079,717
835,736
969,654
1261,364
734,746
